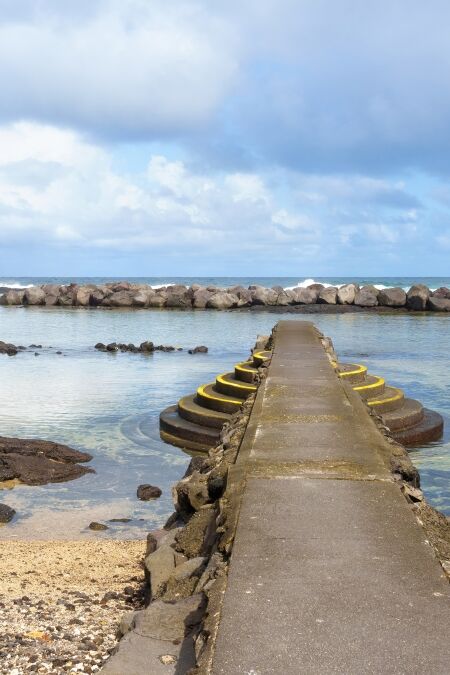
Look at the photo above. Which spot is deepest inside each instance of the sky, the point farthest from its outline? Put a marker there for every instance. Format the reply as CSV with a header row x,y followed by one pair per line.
x,y
191,138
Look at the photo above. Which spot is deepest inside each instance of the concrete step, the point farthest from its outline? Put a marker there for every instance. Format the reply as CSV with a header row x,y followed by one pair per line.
x,y
372,386
260,357
391,399
228,384
352,372
190,410
429,429
186,433
245,371
208,397
410,414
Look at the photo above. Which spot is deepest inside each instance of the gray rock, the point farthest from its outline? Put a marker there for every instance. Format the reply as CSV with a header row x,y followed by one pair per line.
x,y
142,298
191,568
51,300
121,298
82,296
305,296
222,300
12,297
201,297
367,296
417,297
8,348
264,296
346,294
442,292
328,296
178,297
392,297
126,623
159,566
147,346
34,296
158,299
6,513
439,304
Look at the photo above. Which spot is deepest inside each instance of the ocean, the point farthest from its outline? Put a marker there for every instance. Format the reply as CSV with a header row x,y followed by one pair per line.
x,y
108,404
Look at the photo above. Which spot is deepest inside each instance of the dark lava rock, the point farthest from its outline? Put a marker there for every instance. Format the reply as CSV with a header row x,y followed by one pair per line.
x,y
37,462
8,348
97,527
392,297
201,349
112,347
417,297
6,513
119,520
147,346
100,346
146,492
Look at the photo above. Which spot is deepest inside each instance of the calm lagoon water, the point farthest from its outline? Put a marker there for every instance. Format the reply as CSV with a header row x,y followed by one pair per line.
x,y
108,404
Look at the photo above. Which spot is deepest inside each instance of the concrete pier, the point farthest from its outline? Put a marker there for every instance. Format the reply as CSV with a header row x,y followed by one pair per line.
x,y
330,570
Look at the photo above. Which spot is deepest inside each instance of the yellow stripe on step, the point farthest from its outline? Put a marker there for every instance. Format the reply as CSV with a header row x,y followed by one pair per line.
x,y
373,385
260,355
220,378
241,366
358,371
398,396
201,392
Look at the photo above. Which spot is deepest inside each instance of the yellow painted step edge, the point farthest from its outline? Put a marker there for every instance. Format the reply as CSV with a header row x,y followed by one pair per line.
x,y
220,378
260,355
206,412
373,385
201,391
398,396
358,371
240,366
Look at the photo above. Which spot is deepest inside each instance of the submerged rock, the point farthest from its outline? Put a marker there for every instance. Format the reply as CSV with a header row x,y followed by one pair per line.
x,y
37,462
201,349
97,527
6,513
8,348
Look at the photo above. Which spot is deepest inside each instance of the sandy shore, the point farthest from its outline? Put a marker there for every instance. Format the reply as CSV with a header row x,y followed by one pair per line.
x,y
61,602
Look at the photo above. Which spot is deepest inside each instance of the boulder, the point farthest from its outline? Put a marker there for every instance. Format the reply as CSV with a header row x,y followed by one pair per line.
x,y
66,295
367,296
305,296
201,297
97,527
159,566
122,298
285,298
264,296
157,299
392,297
51,300
34,296
442,292
437,304
196,538
142,297
178,297
147,347
222,300
316,287
82,296
146,492
328,296
346,294
201,349
6,513
417,297
12,297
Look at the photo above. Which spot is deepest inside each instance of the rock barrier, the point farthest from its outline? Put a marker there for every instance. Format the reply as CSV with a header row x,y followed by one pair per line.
x,y
125,295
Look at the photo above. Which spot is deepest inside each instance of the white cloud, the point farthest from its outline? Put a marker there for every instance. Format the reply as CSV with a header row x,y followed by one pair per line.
x,y
125,67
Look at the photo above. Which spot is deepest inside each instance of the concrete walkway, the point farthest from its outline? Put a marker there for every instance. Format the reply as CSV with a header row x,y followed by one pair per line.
x,y
330,571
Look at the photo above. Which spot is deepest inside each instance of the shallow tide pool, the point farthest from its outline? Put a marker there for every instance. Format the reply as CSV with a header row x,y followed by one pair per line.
x,y
108,404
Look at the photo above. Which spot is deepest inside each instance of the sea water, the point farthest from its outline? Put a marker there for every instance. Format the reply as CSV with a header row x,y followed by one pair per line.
x,y
108,404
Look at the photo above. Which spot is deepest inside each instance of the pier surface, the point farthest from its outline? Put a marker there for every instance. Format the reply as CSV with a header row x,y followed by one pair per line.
x,y
330,570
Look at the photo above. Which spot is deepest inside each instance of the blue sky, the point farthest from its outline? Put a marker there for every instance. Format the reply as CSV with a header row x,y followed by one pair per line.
x,y
306,137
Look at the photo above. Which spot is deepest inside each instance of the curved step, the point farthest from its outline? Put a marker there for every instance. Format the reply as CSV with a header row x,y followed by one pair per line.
x,y
373,386
391,399
410,414
245,371
182,443
171,423
190,410
228,384
209,397
260,357
352,372
429,429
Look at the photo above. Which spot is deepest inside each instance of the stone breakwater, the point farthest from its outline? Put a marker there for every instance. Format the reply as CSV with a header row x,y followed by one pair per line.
x,y
315,297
